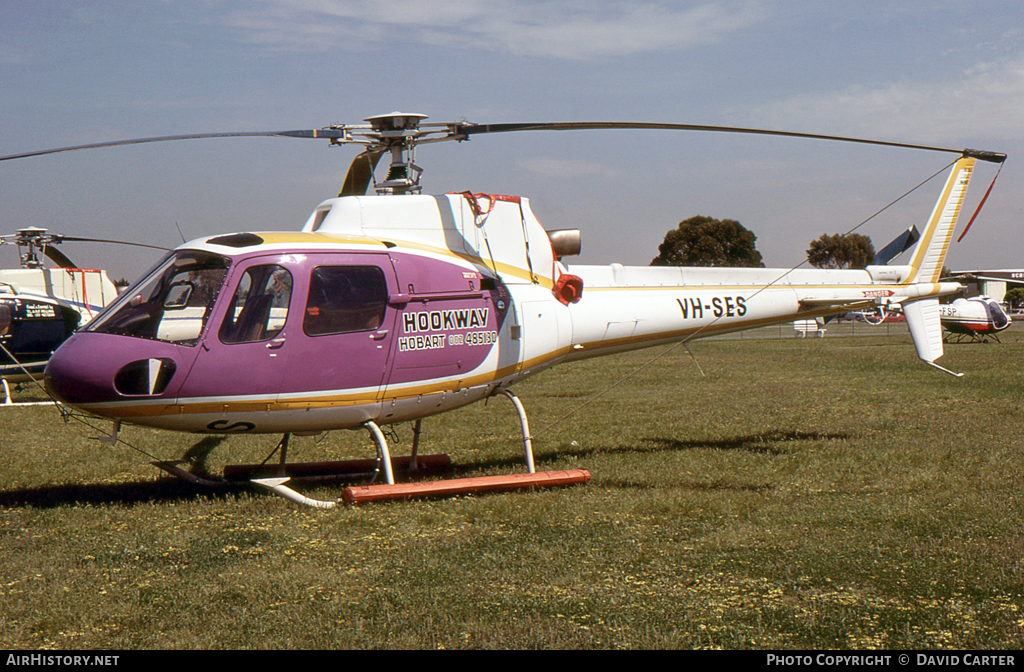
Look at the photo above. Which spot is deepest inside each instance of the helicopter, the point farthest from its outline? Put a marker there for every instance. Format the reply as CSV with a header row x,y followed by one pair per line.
x,y
393,307
974,319
41,307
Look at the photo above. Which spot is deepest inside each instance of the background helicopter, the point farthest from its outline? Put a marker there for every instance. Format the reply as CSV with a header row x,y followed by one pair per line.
x,y
40,306
975,319
394,307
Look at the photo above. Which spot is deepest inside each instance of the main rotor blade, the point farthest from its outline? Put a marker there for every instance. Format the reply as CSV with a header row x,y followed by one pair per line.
x,y
477,129
327,133
58,257
360,173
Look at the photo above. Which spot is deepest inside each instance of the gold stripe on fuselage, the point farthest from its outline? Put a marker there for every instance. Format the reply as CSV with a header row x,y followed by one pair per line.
x,y
286,238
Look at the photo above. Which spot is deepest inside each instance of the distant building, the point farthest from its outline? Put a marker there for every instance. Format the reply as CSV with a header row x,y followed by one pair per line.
x,y
994,283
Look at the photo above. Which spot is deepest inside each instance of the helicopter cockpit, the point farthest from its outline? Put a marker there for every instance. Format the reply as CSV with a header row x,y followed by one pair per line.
x,y
171,303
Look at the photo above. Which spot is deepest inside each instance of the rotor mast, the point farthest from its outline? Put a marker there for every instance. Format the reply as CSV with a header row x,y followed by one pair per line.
x,y
397,133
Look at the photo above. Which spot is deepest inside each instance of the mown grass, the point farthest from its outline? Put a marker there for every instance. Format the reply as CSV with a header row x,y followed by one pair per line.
x,y
804,494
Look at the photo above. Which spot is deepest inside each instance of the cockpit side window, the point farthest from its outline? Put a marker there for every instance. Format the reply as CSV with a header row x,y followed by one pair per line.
x,y
172,303
344,299
259,308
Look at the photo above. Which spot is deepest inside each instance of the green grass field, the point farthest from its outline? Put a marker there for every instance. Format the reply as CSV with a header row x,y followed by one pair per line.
x,y
806,493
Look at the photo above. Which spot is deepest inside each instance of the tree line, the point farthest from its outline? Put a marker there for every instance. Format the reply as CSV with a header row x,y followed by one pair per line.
x,y
705,241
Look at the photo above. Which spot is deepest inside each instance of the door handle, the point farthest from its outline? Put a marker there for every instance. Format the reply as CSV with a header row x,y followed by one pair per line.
x,y
275,343
379,335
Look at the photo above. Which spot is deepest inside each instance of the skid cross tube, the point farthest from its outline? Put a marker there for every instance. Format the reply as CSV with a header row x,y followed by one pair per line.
x,y
277,485
417,429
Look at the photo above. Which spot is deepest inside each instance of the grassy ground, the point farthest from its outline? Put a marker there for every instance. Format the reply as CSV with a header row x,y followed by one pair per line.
x,y
806,493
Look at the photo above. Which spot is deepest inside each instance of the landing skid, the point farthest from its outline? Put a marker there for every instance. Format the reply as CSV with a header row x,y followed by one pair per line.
x,y
970,338
275,477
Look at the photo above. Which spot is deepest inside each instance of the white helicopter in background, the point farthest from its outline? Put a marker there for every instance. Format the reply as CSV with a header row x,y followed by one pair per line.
x,y
974,319
40,306
394,307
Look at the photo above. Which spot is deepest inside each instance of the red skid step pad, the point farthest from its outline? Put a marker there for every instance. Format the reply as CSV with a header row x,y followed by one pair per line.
x,y
464,486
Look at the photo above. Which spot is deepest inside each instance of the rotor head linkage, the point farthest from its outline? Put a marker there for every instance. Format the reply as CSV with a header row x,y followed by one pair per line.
x,y
397,133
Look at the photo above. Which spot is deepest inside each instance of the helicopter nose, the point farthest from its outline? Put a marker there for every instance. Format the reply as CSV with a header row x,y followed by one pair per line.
x,y
76,374
91,368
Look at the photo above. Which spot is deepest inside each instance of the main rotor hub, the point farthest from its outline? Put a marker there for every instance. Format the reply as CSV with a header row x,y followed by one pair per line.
x,y
396,122
398,133
31,241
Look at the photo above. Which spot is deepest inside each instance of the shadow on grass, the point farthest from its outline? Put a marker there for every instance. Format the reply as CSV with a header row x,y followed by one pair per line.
x,y
163,490
173,490
771,443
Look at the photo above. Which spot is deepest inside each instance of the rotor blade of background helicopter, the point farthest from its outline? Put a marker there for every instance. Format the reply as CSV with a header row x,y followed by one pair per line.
x,y
328,133
477,129
75,239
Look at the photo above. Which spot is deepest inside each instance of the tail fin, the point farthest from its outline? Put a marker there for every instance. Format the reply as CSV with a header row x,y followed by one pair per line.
x,y
926,262
926,330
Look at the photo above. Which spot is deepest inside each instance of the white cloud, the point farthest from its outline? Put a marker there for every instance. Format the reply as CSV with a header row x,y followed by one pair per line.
x,y
540,28
984,102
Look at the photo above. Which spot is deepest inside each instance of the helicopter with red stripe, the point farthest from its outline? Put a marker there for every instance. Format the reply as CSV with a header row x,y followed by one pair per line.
x,y
393,307
974,319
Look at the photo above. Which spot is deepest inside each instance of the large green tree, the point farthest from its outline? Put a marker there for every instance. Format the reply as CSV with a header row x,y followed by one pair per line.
x,y
847,251
704,241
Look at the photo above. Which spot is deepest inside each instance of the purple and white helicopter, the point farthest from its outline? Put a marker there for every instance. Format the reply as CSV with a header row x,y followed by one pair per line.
x,y
393,307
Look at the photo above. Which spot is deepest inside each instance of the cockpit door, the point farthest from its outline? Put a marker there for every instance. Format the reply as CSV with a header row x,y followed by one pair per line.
x,y
245,351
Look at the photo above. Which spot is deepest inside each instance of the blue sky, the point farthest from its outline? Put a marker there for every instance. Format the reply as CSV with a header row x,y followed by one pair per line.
x,y
928,71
